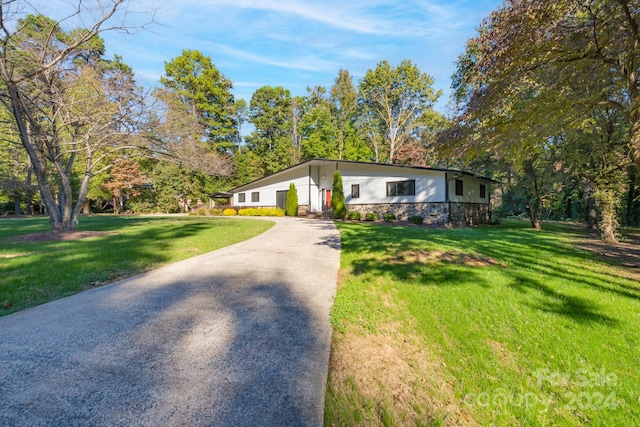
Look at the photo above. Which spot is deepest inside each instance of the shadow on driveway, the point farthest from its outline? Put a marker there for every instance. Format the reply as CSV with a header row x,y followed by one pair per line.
x,y
238,336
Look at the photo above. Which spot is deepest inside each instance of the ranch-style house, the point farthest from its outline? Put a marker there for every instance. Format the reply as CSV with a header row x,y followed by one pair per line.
x,y
440,196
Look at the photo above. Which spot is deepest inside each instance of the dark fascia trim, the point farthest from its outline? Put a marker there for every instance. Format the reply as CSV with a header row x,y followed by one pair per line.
x,y
221,195
355,162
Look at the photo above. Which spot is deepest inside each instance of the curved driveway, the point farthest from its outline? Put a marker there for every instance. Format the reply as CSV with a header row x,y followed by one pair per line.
x,y
235,337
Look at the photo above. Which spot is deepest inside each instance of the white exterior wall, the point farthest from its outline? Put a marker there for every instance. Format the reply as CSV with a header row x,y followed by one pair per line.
x,y
429,185
313,179
470,189
268,187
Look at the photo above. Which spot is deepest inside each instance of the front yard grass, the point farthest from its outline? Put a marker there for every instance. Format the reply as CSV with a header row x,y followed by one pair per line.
x,y
34,272
497,325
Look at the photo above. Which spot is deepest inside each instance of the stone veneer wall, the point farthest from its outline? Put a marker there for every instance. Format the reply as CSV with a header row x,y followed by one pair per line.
x,y
470,213
432,212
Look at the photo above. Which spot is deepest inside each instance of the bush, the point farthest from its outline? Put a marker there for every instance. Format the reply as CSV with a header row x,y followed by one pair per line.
x,y
6,208
229,212
354,215
370,217
388,217
215,211
261,212
291,206
199,212
416,219
337,200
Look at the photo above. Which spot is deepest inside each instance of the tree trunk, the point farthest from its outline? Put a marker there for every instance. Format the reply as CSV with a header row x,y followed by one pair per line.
x,y
534,195
17,209
29,193
39,167
592,214
534,213
609,222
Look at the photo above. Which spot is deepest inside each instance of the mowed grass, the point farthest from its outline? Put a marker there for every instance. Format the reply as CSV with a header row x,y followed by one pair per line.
x,y
32,273
497,325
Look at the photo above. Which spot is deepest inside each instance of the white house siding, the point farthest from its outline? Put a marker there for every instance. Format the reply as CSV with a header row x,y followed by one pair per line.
x,y
435,196
470,189
269,186
429,201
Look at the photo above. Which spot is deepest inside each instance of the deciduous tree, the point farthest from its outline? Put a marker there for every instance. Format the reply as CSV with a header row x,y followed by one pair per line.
x,y
538,70
67,103
400,98
125,180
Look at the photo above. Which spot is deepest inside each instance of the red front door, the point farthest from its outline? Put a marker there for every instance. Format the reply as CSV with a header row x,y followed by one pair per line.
x,y
327,200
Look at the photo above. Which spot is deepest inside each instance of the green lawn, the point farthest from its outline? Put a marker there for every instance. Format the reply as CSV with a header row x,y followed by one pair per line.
x,y
495,325
32,273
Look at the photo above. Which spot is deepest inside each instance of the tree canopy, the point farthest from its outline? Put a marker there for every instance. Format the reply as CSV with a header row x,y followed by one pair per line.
x,y
68,103
398,100
540,74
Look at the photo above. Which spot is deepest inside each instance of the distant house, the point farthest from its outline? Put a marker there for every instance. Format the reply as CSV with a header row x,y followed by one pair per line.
x,y
440,196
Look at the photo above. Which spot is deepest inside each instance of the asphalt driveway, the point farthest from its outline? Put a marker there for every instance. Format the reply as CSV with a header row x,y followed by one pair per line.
x,y
236,337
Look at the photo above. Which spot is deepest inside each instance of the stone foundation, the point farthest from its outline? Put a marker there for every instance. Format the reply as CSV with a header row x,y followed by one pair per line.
x,y
436,213
470,213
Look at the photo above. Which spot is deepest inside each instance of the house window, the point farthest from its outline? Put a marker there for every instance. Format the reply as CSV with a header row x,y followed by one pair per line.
x,y
401,188
483,191
255,196
241,198
355,191
459,189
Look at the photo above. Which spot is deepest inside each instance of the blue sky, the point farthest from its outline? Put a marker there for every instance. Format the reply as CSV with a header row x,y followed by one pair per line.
x,y
298,43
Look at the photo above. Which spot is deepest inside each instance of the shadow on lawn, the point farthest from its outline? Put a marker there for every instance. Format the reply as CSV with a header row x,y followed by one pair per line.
x,y
528,258
66,267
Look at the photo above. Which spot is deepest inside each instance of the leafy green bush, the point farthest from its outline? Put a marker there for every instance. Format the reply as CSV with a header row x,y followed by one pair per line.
x,y
337,200
370,217
291,207
215,212
388,217
416,219
261,212
354,215
229,212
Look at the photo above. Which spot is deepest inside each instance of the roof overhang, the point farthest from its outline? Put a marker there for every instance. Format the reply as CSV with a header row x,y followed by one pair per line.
x,y
221,195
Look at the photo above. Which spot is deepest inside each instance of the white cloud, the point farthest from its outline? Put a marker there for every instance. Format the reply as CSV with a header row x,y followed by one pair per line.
x,y
383,18
306,63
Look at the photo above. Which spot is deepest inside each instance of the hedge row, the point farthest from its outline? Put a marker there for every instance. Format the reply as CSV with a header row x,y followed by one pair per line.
x,y
261,212
240,212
